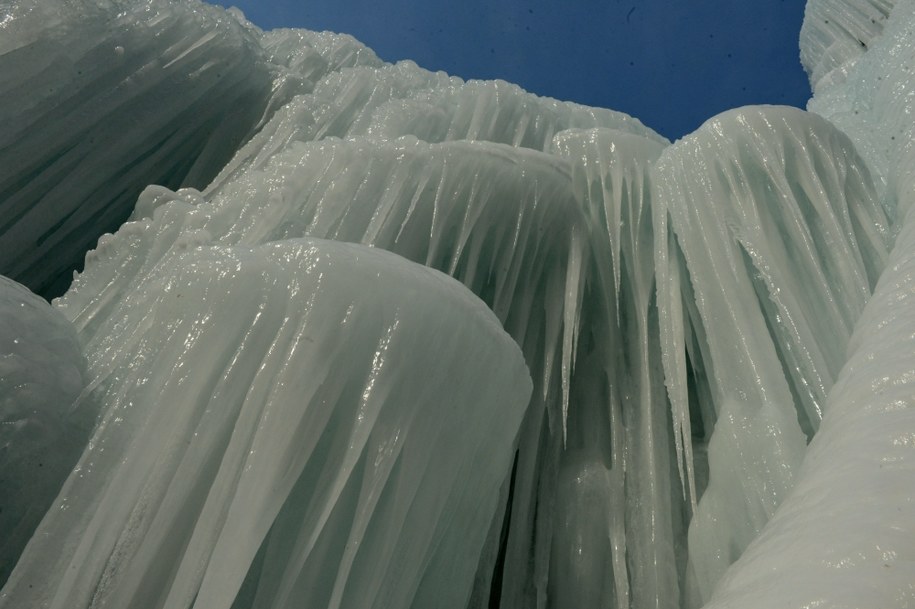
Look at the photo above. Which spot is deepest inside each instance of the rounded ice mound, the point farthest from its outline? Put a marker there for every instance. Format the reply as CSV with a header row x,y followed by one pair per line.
x,y
42,373
307,422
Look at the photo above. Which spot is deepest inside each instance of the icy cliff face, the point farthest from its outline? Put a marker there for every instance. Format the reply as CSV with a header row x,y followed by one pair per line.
x,y
289,414
103,98
847,525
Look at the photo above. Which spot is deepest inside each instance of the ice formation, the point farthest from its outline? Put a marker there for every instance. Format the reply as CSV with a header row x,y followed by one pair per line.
x,y
613,410
220,468
45,421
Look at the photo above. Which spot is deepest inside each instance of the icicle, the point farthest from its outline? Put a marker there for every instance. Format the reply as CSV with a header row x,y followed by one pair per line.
x,y
610,176
762,212
571,311
673,347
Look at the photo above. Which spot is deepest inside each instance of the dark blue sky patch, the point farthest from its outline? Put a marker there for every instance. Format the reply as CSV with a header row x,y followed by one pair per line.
x,y
672,64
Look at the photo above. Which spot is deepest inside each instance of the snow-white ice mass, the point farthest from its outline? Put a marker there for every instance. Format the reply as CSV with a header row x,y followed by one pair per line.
x,y
356,334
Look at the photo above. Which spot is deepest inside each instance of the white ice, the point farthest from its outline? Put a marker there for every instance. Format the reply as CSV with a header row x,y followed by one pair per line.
x,y
691,315
303,422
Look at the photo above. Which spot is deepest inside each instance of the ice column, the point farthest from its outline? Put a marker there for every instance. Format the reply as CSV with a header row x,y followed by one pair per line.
x,y
782,240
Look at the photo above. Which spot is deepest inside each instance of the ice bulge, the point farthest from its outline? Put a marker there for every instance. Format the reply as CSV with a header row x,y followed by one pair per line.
x,y
659,374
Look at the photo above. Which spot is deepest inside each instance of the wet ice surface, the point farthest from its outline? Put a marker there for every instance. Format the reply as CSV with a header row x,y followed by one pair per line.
x,y
305,421
284,417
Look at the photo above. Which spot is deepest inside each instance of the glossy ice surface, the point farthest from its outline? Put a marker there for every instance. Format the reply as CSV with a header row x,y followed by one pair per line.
x,y
664,381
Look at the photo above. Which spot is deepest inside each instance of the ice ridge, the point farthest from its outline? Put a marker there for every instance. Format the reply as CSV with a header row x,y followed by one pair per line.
x,y
289,413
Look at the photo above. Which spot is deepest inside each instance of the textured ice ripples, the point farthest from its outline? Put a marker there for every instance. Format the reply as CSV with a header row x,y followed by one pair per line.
x,y
688,313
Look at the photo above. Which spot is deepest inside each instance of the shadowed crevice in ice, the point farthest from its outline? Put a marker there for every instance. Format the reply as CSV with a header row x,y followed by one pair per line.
x,y
99,101
783,239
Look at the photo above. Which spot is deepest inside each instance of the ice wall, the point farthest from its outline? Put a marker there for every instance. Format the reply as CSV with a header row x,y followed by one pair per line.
x,y
847,525
305,422
684,311
844,537
499,219
836,32
102,98
872,103
783,240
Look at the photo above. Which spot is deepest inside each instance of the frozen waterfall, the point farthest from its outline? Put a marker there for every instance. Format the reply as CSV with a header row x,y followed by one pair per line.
x,y
357,334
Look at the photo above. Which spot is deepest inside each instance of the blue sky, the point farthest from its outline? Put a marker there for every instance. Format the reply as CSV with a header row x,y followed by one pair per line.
x,y
671,63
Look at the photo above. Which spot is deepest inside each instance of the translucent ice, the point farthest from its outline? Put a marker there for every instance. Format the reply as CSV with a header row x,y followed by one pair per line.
x,y
43,422
845,536
499,219
685,311
308,422
100,99
618,419
783,239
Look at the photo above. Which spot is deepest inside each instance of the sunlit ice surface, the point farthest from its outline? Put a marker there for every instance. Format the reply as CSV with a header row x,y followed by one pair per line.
x,y
357,334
